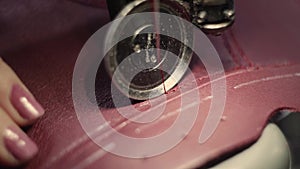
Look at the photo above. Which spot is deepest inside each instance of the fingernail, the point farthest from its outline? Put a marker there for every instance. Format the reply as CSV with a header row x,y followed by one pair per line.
x,y
25,104
19,144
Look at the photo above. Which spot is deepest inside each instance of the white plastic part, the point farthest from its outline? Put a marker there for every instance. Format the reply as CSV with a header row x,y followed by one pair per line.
x,y
271,151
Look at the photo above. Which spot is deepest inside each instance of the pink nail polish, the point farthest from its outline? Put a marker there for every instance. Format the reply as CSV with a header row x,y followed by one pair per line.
x,y
25,104
19,144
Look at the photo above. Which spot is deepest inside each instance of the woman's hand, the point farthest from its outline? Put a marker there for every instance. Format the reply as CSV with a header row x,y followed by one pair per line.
x,y
18,108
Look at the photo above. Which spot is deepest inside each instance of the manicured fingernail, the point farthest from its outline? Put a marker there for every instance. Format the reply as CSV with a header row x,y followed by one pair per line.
x,y
19,144
25,104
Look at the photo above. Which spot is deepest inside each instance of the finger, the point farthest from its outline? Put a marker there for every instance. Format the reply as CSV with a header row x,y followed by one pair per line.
x,y
15,98
15,146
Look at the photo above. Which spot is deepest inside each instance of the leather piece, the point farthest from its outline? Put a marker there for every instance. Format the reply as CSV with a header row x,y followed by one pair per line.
x,y
45,59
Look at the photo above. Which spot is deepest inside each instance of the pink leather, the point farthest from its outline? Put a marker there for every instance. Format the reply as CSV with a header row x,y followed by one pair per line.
x,y
41,41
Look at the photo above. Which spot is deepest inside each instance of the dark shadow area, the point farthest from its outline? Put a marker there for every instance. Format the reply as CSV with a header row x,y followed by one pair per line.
x,y
104,88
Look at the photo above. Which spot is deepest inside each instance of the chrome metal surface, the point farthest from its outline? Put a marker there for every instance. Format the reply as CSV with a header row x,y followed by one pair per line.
x,y
149,52
212,15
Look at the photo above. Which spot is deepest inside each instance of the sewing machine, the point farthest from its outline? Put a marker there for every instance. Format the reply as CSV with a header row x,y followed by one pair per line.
x,y
260,57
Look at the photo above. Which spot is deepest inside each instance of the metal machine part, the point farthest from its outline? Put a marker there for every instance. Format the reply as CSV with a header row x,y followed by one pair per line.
x,y
212,16
209,15
149,52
